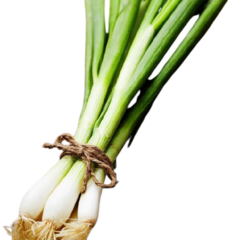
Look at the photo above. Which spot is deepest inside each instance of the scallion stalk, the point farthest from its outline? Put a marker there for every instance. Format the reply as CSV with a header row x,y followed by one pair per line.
x,y
88,54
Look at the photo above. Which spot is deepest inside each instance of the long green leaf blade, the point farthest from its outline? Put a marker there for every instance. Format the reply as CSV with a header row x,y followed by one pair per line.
x,y
135,116
114,10
88,53
118,40
99,34
160,45
162,42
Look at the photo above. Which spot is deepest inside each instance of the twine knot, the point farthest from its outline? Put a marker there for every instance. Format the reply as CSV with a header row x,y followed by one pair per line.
x,y
89,154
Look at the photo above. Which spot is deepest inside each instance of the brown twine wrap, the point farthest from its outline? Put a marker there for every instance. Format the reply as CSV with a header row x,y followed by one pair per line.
x,y
89,154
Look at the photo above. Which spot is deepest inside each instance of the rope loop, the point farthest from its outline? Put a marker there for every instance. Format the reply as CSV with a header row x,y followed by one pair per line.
x,y
89,154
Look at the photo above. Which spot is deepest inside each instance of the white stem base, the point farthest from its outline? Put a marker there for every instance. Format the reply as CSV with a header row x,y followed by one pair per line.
x,y
88,208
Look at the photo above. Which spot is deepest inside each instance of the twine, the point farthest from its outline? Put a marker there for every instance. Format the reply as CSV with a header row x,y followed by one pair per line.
x,y
89,154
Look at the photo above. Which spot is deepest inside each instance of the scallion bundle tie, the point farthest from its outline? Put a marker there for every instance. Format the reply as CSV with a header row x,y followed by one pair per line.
x,y
88,154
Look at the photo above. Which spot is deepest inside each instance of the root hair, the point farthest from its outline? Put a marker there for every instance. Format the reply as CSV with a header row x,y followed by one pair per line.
x,y
44,230
76,230
21,228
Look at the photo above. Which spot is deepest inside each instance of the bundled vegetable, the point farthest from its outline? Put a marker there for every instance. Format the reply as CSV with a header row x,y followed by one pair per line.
x,y
117,67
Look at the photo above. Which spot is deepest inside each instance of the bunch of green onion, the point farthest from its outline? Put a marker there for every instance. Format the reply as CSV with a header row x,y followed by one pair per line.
x,y
118,66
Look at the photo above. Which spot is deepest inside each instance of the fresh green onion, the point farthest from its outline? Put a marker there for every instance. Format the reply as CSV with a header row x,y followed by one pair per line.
x,y
116,68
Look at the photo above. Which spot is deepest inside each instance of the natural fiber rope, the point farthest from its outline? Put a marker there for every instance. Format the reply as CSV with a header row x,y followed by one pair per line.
x,y
89,154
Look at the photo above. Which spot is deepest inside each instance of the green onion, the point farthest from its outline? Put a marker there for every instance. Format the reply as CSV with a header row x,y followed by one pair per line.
x,y
116,68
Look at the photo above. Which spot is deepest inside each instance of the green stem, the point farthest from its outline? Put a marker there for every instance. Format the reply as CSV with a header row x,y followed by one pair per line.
x,y
141,42
164,14
114,10
102,78
99,35
103,134
88,54
91,113
122,96
141,12
137,113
